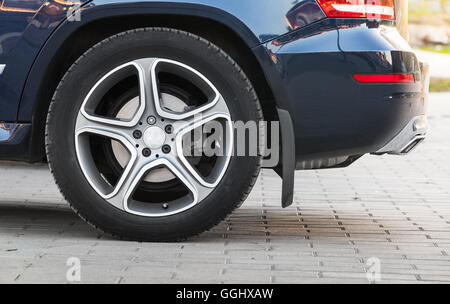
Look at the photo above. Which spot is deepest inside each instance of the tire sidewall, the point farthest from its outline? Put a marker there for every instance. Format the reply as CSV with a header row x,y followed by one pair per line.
x,y
78,81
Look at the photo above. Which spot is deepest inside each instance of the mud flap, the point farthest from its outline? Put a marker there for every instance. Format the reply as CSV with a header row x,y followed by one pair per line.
x,y
286,168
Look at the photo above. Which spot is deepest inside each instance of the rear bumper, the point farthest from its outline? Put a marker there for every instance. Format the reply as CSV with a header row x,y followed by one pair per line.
x,y
408,139
336,119
415,131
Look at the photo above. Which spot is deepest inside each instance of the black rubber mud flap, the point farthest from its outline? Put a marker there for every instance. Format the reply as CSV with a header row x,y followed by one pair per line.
x,y
286,169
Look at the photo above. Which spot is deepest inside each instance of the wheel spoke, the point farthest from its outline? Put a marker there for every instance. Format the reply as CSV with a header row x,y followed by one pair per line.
x,y
199,190
86,126
193,74
96,94
148,84
127,183
104,127
131,180
183,128
220,109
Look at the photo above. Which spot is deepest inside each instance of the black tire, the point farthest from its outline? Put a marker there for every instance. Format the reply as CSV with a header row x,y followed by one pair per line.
x,y
172,44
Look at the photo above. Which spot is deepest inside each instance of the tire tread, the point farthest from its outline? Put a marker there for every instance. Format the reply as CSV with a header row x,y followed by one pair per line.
x,y
249,87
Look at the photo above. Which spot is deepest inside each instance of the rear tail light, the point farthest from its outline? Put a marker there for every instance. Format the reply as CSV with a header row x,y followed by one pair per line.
x,y
384,78
373,9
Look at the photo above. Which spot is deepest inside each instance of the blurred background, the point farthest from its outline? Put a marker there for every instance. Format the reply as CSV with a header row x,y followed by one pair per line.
x,y
429,24
429,34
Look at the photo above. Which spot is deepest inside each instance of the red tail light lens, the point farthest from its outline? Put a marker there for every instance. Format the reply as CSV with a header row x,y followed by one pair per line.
x,y
384,78
373,9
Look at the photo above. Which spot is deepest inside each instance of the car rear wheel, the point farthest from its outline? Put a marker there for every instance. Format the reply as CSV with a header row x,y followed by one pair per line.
x,y
120,132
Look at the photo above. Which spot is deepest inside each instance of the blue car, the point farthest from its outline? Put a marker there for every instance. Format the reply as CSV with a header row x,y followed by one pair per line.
x,y
111,93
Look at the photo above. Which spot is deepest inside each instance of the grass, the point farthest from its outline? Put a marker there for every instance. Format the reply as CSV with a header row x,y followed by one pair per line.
x,y
437,49
440,85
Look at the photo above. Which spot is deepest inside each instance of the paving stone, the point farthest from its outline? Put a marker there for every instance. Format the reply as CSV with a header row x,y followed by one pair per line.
x,y
395,209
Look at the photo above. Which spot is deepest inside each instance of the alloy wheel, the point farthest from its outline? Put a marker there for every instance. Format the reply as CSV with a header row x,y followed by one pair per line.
x,y
143,113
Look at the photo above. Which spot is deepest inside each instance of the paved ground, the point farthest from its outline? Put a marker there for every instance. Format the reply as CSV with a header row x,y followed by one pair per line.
x,y
394,209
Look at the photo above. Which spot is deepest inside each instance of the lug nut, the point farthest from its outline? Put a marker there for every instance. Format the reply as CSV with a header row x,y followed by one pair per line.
x,y
166,149
151,120
146,152
137,134
168,129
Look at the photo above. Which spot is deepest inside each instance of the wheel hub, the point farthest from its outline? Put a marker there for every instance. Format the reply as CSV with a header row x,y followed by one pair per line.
x,y
158,175
154,137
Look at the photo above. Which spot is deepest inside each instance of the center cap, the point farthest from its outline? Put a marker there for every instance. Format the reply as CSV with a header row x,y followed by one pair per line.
x,y
154,137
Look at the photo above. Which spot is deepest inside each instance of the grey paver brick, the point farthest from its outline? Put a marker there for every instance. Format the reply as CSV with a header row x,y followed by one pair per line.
x,y
396,209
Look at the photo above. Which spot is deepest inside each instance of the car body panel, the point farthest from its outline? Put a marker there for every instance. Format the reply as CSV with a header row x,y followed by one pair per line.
x,y
307,60
333,114
26,27
14,141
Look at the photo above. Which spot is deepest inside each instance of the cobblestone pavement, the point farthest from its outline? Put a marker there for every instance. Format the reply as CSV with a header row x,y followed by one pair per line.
x,y
395,209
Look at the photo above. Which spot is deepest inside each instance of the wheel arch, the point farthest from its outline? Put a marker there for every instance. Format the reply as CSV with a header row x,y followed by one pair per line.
x,y
72,39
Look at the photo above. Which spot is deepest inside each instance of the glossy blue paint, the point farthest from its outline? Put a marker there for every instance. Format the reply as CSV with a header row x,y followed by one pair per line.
x,y
265,19
333,115
307,60
14,140
26,25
